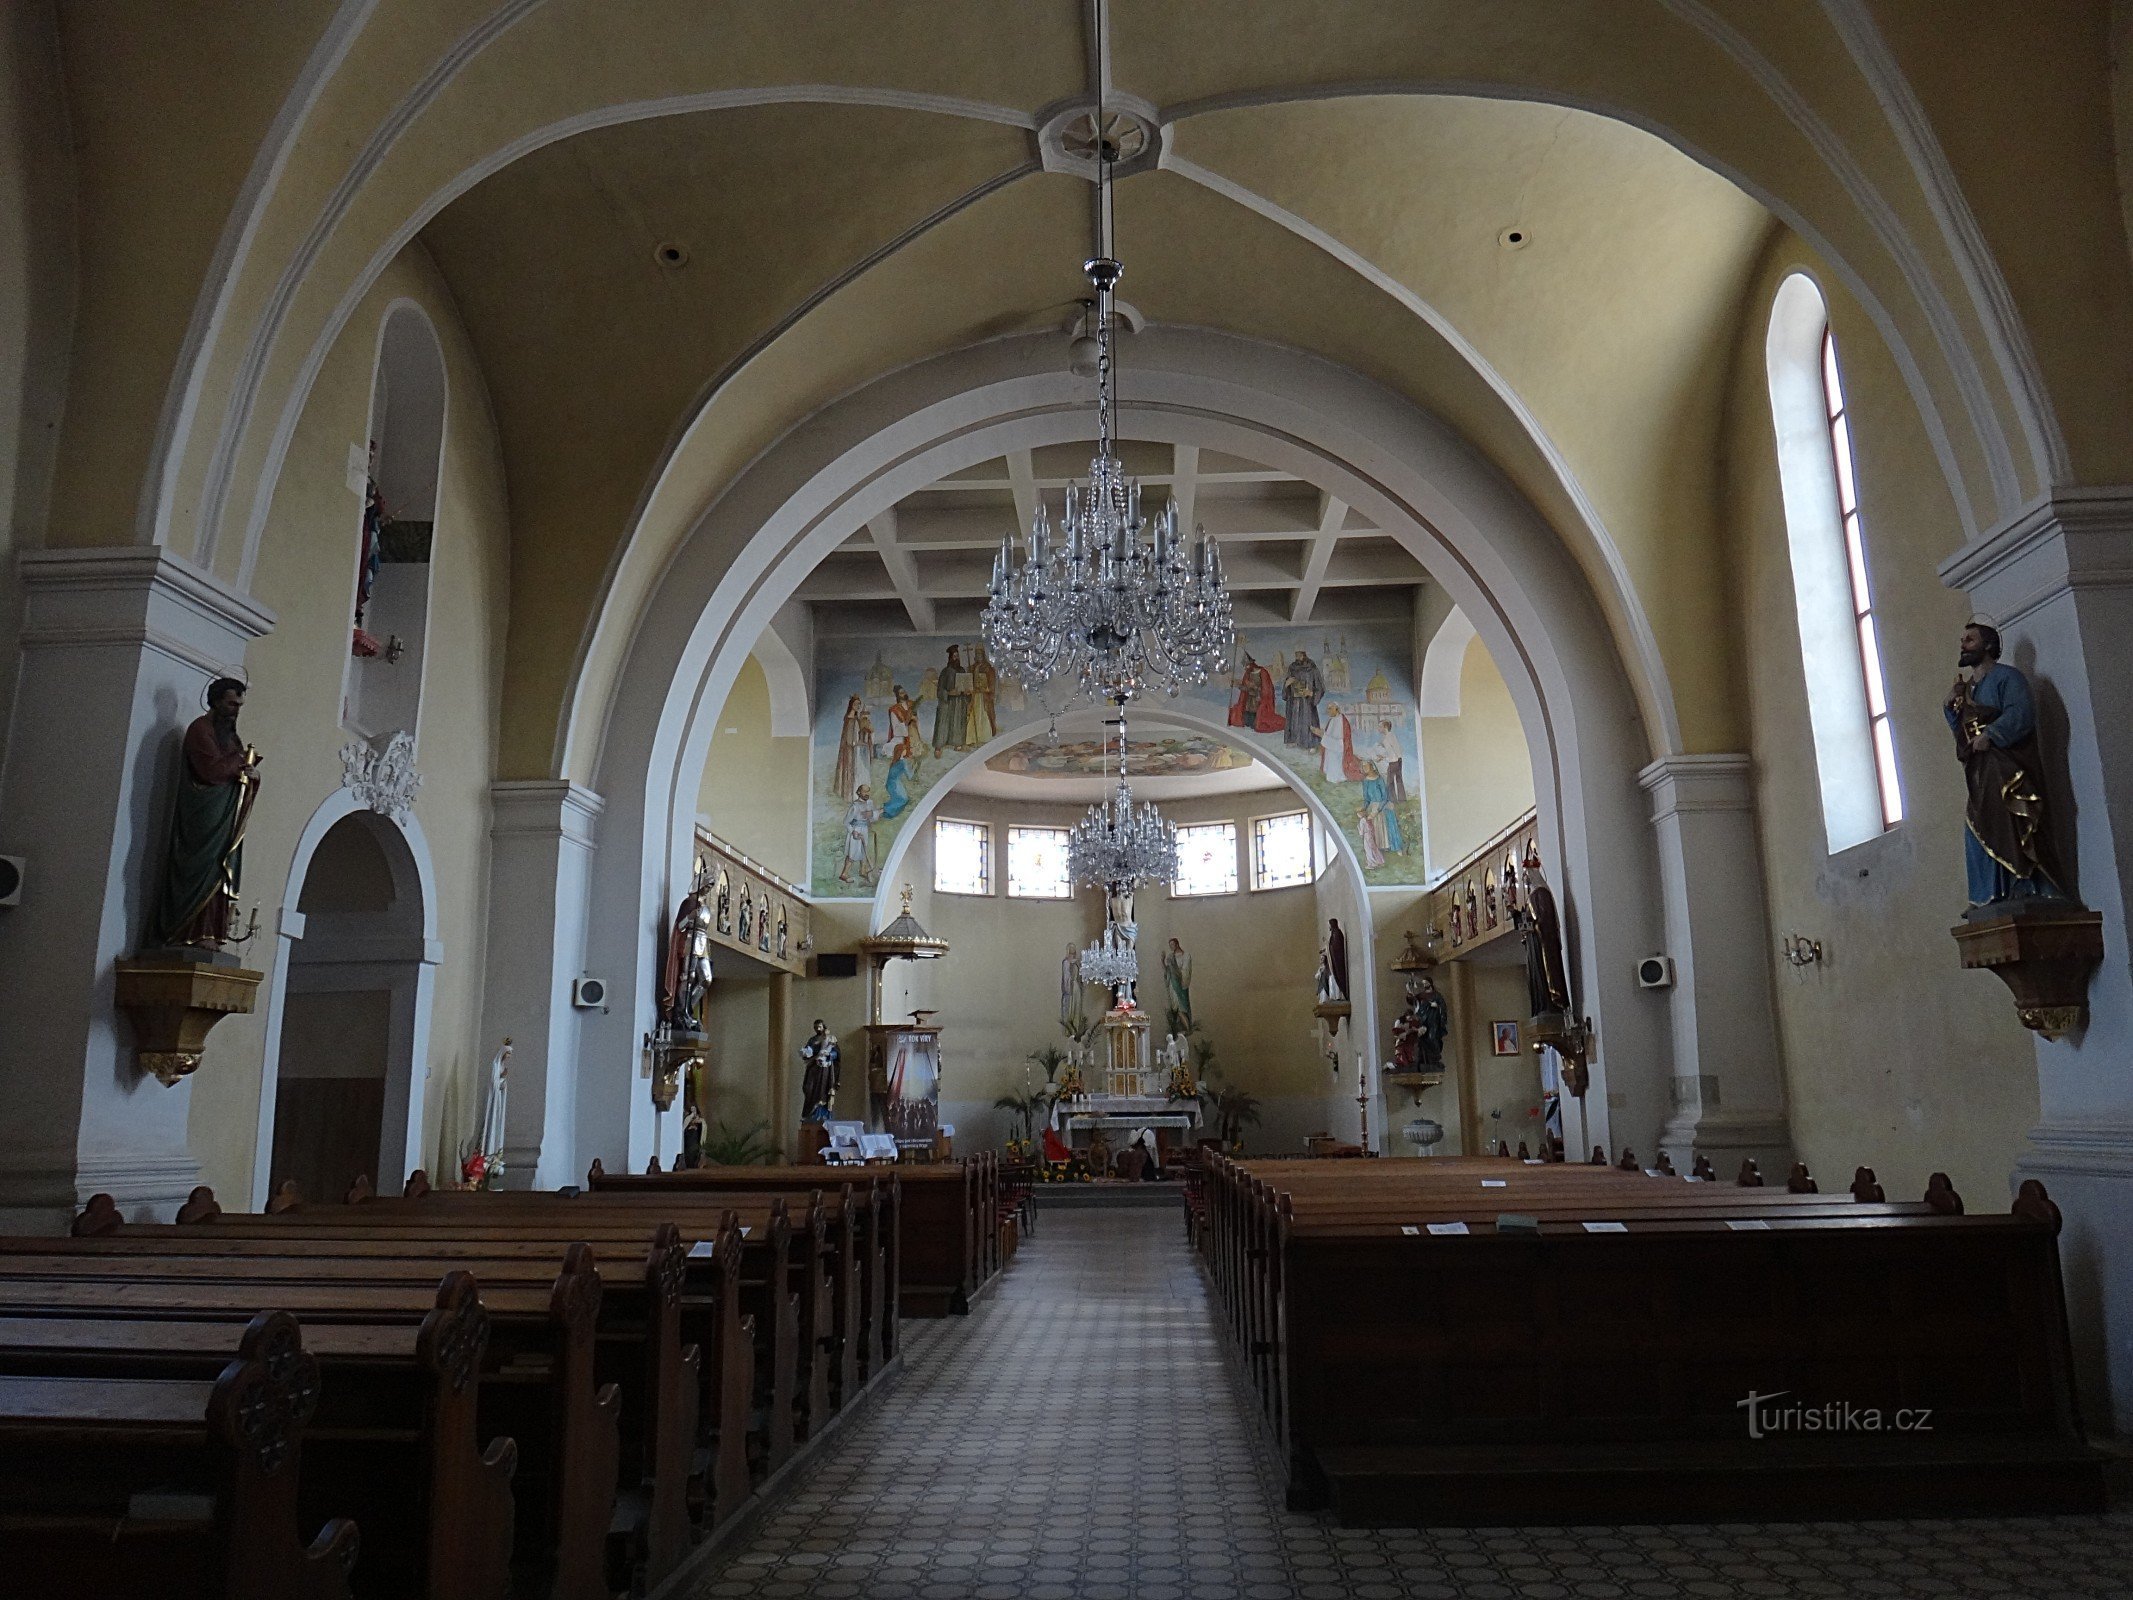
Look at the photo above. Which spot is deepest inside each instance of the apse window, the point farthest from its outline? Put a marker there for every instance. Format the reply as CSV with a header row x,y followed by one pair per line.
x,y
1840,645
1037,864
1207,859
962,857
1281,850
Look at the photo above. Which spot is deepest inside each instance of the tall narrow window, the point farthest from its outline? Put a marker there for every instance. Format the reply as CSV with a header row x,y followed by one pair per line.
x,y
1840,647
1877,694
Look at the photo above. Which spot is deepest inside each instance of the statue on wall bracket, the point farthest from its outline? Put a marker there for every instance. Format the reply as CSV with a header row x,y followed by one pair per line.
x,y
189,976
2022,920
1554,1023
688,974
218,782
2008,853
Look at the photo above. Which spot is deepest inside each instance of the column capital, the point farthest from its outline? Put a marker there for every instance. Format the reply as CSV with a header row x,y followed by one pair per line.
x,y
131,596
2069,539
544,808
1699,783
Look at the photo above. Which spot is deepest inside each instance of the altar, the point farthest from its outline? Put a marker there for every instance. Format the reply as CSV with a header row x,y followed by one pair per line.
x,y
1133,1085
1128,1113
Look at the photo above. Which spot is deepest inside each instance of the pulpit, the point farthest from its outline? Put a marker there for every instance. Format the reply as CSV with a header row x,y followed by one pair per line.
x,y
903,1058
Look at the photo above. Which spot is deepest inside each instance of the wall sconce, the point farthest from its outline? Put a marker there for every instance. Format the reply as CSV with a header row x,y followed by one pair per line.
x,y
1799,950
395,648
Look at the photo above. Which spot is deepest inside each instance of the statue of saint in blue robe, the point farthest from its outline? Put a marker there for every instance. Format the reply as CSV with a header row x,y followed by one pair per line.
x,y
2007,851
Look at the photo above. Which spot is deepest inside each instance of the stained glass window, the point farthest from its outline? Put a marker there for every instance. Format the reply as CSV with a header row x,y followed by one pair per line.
x,y
1037,864
962,857
1281,850
1207,859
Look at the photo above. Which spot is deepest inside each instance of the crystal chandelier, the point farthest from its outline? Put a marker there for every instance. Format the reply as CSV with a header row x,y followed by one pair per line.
x,y
1112,960
1116,602
1118,843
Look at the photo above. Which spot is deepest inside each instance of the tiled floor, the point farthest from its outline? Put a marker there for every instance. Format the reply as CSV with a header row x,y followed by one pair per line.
x,y
1080,1438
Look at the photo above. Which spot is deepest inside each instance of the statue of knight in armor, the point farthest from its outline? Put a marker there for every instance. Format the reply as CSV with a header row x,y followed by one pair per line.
x,y
688,976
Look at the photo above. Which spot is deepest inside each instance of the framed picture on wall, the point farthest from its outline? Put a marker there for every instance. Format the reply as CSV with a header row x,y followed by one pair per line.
x,y
1503,1038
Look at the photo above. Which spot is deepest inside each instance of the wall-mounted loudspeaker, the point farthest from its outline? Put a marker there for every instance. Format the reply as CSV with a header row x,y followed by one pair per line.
x,y
1655,972
11,869
589,994
831,964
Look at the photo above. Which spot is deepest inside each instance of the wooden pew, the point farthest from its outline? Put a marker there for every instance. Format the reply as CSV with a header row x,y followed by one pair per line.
x,y
945,1217
167,1486
393,1442
638,1333
1546,1371
671,1331
867,1291
780,1286
541,1382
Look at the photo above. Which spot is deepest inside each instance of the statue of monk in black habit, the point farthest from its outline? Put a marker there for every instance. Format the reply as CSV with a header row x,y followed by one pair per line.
x,y
218,780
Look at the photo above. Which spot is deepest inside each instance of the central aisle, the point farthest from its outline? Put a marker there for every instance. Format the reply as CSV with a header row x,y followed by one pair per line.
x,y
1078,1437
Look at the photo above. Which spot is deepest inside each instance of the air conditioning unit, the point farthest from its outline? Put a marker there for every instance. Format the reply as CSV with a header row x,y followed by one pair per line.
x,y
1655,972
589,994
11,870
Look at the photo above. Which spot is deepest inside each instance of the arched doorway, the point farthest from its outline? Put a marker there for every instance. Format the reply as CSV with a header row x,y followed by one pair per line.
x,y
351,1017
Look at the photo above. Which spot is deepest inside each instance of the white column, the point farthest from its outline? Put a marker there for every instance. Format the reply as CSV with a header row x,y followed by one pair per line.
x,y
1728,1086
2057,581
540,864
117,645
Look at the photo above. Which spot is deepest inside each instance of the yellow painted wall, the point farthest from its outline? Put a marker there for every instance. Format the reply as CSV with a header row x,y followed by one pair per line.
x,y
1477,772
160,164
1894,1057
307,574
754,789
737,1060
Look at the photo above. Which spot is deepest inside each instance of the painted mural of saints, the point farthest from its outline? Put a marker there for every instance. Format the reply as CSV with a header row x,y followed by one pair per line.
x,y
1302,687
1255,706
951,708
855,751
905,735
983,723
1337,760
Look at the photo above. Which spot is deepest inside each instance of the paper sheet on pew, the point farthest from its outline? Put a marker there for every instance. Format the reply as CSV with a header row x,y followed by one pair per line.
x,y
705,1247
1748,1225
1494,1183
1607,1227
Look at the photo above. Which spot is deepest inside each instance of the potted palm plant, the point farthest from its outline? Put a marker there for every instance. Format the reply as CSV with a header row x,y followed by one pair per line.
x,y
1232,1110
1025,1109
